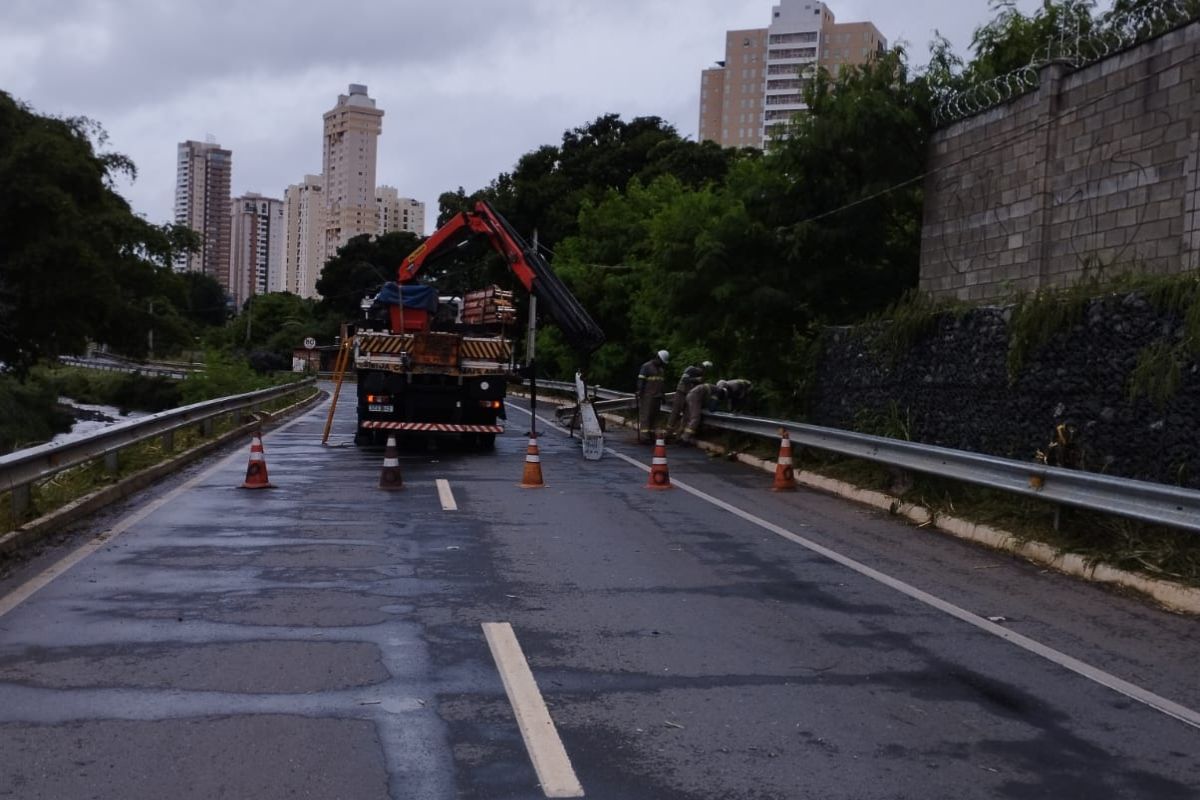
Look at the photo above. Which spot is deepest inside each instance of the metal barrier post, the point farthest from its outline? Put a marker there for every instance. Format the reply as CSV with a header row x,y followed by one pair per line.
x,y
168,441
21,498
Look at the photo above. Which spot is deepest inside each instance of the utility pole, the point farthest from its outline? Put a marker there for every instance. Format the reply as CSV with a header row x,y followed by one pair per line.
x,y
249,317
530,350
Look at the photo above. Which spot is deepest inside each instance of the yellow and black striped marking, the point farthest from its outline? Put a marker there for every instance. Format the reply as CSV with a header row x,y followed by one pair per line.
x,y
486,349
377,344
430,427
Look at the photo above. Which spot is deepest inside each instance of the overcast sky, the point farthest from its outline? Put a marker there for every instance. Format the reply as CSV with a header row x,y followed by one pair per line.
x,y
467,87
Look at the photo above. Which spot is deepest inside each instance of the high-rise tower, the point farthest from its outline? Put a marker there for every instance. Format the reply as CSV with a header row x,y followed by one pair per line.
x,y
352,129
752,96
202,178
304,244
396,213
257,247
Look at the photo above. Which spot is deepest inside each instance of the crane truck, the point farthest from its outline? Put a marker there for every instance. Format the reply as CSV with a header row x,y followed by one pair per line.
x,y
431,366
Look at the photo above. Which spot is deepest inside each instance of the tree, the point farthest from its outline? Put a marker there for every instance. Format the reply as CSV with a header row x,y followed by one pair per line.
x,y
361,267
849,220
605,265
549,185
75,262
278,322
202,299
1012,40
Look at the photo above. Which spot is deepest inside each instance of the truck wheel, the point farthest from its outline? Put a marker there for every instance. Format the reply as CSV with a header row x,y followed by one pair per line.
x,y
486,441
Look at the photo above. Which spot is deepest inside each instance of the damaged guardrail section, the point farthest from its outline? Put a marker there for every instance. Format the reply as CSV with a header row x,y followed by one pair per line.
x,y
1148,502
20,470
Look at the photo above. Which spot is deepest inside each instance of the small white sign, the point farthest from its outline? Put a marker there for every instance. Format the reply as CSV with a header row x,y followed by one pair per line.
x,y
310,343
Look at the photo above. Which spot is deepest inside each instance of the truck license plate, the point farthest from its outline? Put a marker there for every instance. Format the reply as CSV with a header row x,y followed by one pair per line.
x,y
381,408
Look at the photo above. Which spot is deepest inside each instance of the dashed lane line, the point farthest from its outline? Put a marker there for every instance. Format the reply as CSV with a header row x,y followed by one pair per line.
x,y
546,750
446,495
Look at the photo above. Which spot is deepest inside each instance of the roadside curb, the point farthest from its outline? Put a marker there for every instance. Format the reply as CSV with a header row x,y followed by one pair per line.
x,y
1172,596
35,530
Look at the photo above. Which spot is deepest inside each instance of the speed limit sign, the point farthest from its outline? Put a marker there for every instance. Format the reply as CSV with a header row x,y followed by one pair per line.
x,y
310,343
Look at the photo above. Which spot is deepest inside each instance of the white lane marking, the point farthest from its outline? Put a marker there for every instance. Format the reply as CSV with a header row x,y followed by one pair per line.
x,y
445,495
42,579
546,750
1132,691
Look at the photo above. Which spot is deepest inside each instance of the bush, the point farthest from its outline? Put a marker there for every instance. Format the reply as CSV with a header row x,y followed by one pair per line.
x,y
29,414
225,375
137,392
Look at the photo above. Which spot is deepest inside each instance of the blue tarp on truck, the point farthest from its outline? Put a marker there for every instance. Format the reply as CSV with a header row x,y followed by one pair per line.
x,y
410,295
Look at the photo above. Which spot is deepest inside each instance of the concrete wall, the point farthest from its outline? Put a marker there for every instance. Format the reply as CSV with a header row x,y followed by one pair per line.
x,y
1096,170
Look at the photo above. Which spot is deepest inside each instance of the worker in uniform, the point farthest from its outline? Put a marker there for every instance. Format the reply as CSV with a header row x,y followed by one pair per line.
x,y
651,387
690,379
703,397
738,393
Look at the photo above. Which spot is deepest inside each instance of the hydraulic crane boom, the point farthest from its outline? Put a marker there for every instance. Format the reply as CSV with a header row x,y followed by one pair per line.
x,y
580,331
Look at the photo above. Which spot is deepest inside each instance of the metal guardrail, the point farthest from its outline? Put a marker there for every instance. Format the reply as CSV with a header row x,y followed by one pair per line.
x,y
569,388
1141,500
178,372
21,469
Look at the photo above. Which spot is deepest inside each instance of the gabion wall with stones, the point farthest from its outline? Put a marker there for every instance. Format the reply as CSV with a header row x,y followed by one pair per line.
x,y
952,388
1095,169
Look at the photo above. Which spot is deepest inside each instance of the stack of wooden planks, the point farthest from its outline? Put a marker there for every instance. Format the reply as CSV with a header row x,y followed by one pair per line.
x,y
489,306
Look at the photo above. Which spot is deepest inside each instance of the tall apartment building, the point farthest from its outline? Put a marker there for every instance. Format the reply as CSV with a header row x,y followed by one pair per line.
x,y
256,265
352,129
396,213
750,98
304,243
202,178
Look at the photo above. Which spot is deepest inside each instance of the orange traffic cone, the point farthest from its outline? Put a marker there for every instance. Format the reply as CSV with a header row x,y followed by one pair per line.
x,y
389,477
532,478
660,478
785,475
256,470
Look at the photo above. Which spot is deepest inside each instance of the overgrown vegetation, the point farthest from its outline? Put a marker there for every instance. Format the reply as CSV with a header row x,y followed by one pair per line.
x,y
29,414
124,391
909,320
1160,365
1038,316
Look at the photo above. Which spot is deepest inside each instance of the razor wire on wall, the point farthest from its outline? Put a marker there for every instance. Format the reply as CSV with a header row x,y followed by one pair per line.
x,y
1077,48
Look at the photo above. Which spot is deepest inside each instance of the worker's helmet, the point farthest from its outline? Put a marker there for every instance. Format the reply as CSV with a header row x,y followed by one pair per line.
x,y
706,364
664,356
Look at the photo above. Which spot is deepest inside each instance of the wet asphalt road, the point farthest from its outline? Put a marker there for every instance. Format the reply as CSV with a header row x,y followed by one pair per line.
x,y
323,639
